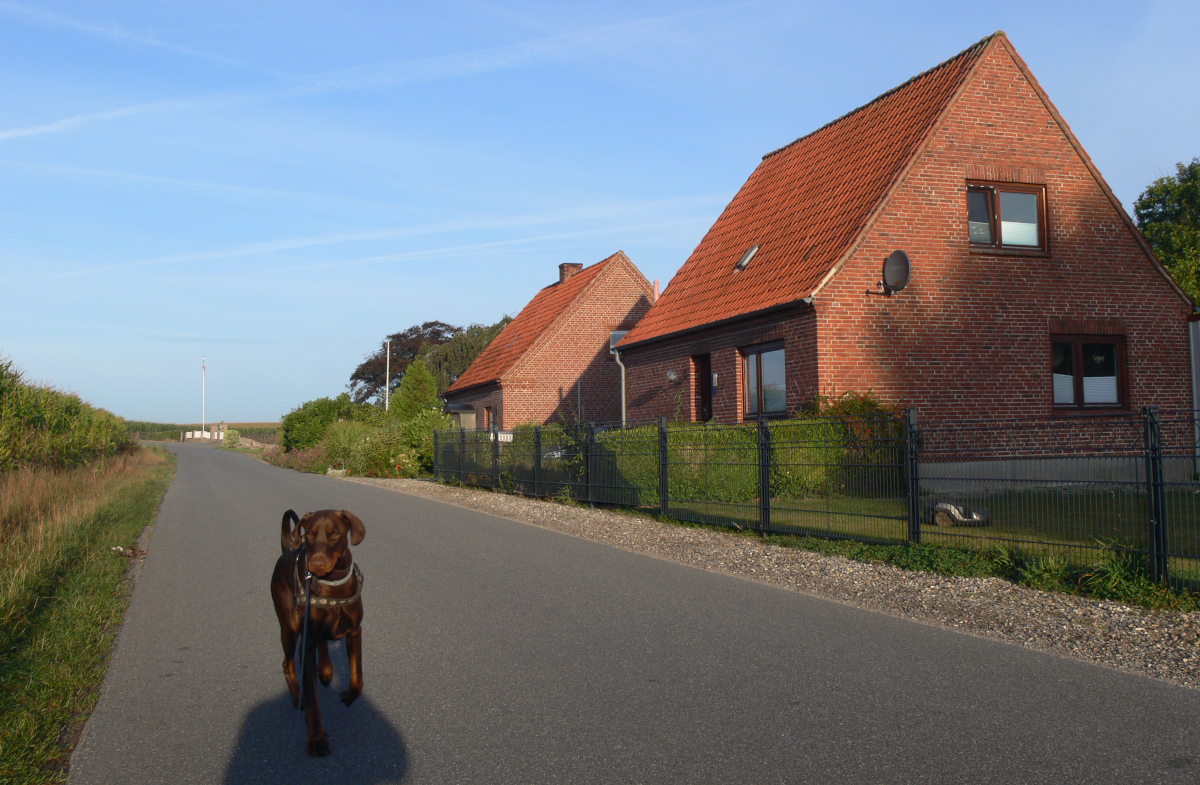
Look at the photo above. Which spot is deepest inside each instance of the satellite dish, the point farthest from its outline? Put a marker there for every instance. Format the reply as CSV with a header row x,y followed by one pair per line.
x,y
896,271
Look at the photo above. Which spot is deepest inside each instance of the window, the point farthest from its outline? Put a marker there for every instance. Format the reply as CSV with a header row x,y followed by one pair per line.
x,y
1088,371
764,381
1006,216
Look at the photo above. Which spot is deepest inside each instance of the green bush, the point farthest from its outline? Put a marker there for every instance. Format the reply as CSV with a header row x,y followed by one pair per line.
x,y
385,447
232,440
41,426
341,441
304,426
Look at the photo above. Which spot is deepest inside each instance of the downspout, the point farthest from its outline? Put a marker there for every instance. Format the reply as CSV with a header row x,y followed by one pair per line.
x,y
1194,346
617,356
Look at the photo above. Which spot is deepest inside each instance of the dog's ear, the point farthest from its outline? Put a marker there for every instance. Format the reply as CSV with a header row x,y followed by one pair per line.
x,y
357,530
288,535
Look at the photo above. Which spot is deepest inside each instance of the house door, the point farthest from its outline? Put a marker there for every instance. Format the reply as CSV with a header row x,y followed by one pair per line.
x,y
702,376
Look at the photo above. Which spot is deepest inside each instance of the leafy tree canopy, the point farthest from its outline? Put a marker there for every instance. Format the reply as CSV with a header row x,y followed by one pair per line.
x,y
367,381
449,360
1168,213
418,393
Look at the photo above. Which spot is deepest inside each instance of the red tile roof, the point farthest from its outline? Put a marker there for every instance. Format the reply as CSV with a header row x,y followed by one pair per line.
x,y
534,319
805,205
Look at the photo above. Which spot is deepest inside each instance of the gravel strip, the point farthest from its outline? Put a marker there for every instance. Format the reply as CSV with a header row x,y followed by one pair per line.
x,y
1161,644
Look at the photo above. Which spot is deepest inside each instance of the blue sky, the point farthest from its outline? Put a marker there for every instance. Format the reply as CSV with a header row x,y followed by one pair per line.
x,y
277,186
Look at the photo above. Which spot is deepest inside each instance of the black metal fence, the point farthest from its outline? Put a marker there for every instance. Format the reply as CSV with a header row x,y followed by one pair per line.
x,y
1067,487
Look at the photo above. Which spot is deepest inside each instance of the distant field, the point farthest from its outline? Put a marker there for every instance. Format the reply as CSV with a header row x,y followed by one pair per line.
x,y
169,431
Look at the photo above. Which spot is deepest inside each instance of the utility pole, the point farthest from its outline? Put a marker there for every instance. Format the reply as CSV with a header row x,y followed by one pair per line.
x,y
387,379
203,392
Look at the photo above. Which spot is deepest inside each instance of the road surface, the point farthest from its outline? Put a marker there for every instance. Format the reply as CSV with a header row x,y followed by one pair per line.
x,y
497,652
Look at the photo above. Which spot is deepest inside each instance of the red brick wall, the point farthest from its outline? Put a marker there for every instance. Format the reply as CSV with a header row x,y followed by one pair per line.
x,y
651,395
542,385
970,336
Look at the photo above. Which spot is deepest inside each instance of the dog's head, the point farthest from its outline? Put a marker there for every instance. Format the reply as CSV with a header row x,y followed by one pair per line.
x,y
327,536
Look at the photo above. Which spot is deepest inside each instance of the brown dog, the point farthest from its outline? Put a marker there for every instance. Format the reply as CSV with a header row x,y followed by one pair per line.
x,y
319,543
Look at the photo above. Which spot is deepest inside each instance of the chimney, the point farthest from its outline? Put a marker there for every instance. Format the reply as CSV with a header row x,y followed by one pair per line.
x,y
655,291
567,269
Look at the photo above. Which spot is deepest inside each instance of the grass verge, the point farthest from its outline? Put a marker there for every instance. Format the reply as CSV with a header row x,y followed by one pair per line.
x,y
59,617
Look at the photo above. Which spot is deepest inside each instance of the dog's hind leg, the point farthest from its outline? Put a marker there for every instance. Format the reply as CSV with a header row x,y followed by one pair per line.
x,y
324,665
354,654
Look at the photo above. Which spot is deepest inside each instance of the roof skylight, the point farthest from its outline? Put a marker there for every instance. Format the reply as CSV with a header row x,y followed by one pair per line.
x,y
744,262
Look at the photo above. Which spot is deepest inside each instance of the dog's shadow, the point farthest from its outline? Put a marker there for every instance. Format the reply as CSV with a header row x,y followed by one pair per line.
x,y
271,745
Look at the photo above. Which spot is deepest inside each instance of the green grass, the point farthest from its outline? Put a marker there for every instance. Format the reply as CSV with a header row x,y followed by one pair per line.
x,y
56,637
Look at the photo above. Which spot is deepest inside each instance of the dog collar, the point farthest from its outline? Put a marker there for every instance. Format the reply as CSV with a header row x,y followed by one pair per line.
x,y
325,582
331,602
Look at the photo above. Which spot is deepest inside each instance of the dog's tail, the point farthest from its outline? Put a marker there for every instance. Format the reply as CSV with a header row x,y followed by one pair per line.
x,y
290,533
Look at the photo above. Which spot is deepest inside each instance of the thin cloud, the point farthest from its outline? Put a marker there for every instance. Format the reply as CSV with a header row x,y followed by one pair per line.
x,y
558,47
548,218
196,184
111,31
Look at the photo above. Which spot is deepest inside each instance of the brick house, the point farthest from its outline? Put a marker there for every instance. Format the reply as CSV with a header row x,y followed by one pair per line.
x,y
1031,291
552,363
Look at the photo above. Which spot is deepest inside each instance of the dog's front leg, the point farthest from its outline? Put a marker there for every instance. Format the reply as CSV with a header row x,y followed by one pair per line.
x,y
288,636
354,654
324,664
318,744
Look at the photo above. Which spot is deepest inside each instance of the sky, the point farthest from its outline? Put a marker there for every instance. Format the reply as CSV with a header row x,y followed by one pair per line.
x,y
277,186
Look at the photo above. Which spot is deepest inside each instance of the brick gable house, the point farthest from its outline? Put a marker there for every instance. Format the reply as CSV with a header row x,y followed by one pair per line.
x,y
552,362
1031,292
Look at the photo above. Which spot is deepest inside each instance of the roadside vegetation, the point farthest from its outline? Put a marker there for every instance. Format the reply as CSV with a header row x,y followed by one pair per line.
x,y
141,430
362,439
1115,574
74,495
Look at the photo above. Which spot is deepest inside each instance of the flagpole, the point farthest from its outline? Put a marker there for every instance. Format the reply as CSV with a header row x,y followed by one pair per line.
x,y
203,393
387,379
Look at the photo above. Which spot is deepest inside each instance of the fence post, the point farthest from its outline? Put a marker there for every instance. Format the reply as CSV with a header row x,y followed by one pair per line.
x,y
912,465
664,488
1155,496
495,456
589,458
764,477
537,456
435,453
462,451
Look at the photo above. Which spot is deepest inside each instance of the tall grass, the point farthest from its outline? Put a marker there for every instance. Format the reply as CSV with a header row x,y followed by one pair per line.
x,y
63,597
42,426
40,511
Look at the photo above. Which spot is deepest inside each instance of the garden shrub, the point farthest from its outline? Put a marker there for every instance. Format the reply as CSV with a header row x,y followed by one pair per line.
x,y
341,441
232,440
311,459
304,426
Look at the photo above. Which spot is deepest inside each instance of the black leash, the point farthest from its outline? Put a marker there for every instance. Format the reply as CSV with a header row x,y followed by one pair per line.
x,y
304,635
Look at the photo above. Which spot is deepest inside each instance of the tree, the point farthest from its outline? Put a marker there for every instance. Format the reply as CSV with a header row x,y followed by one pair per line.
x,y
1168,213
449,360
418,392
368,378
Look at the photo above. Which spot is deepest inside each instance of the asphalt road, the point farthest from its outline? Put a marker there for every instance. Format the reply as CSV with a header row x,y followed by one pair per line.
x,y
502,653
